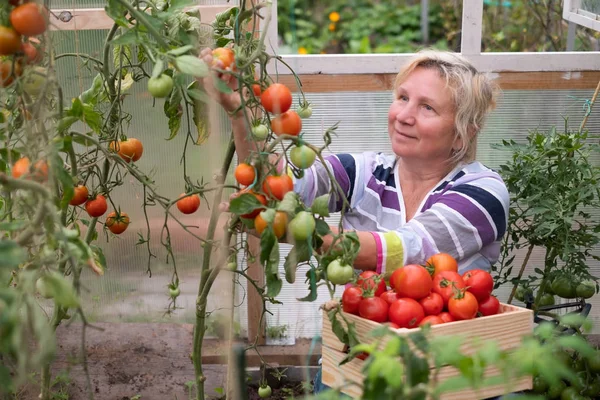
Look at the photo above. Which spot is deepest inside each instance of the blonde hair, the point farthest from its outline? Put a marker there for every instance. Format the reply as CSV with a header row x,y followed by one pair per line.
x,y
473,94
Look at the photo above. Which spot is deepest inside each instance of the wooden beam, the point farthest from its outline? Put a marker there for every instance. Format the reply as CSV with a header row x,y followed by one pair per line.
x,y
80,19
384,82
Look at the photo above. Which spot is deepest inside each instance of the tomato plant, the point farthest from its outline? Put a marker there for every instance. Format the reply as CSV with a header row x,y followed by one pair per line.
x,y
406,313
29,19
80,196
188,204
479,282
339,273
117,223
160,86
412,281
288,123
371,280
97,206
245,174
276,99
374,309
351,299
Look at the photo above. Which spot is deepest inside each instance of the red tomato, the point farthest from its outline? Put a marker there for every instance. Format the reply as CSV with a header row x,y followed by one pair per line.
x,y
432,304
446,317
80,195
117,224
245,174
412,281
431,320
351,299
392,325
276,99
441,262
390,296
30,19
32,56
278,185
226,56
366,280
406,313
362,356
129,150
445,283
489,306
463,306
279,224
479,282
374,309
96,207
288,123
256,89
189,204
10,41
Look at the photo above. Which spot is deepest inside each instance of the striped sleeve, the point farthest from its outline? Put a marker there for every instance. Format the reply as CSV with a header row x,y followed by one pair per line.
x,y
316,182
462,221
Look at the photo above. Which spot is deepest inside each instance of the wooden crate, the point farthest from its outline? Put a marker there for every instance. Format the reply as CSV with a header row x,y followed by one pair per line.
x,y
507,328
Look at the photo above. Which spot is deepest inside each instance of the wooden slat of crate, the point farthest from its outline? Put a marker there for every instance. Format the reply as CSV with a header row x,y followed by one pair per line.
x,y
507,328
337,376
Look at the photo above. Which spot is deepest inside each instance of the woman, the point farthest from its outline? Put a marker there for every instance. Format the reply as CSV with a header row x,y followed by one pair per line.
x,y
429,196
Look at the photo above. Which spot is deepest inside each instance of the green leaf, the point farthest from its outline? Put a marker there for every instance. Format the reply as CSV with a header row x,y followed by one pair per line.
x,y
158,68
201,110
92,117
267,241
274,285
222,86
244,204
13,225
180,50
81,139
174,111
11,254
61,290
99,258
322,227
320,206
129,37
337,327
312,285
117,12
199,95
192,65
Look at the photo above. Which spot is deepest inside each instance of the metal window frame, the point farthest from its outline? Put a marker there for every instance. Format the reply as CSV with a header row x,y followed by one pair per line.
x,y
573,12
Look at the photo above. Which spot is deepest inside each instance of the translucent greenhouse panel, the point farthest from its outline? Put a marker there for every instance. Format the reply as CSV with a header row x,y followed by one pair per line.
x,y
126,292
363,127
365,26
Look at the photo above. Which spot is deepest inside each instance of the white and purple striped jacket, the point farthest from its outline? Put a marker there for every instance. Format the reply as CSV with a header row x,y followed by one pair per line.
x,y
465,215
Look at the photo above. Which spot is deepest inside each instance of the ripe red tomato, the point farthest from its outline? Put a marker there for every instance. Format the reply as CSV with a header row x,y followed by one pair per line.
x,y
245,174
431,320
80,196
279,224
96,207
129,150
10,41
489,306
446,317
366,280
226,56
117,224
278,185
412,281
479,282
441,262
351,299
433,304
288,123
406,313
446,282
188,205
392,325
276,99
463,306
8,70
390,296
374,309
256,90
21,168
29,19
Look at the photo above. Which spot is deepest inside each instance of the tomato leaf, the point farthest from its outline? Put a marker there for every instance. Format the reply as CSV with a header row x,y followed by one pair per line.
x,y
159,66
13,225
274,283
65,179
201,121
337,327
99,257
299,253
62,290
192,65
244,204
312,285
174,112
322,227
129,37
117,12
92,117
11,254
180,50
222,86
267,241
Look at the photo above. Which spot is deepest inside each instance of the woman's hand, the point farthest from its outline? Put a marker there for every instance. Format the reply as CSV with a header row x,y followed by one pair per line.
x,y
230,101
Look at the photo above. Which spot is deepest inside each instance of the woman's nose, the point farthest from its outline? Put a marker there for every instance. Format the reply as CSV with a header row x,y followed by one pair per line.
x,y
406,115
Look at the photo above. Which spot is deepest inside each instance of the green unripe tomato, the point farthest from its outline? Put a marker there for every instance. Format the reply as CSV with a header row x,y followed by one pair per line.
x,y
174,292
302,156
260,132
304,112
43,288
161,86
302,226
338,273
546,300
586,289
264,391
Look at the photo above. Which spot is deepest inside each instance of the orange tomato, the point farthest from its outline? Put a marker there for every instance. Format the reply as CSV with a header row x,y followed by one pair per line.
x,y
226,56
22,166
276,99
10,41
441,262
256,89
117,223
279,224
9,71
29,19
129,150
188,205
288,123
278,185
80,196
245,174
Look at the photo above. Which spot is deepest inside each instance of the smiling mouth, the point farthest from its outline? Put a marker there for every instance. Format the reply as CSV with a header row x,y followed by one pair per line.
x,y
405,135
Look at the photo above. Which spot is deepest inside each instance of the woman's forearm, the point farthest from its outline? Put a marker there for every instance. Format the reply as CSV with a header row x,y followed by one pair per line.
x,y
367,255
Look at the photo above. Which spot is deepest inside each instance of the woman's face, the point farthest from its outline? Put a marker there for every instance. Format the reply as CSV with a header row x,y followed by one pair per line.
x,y
421,119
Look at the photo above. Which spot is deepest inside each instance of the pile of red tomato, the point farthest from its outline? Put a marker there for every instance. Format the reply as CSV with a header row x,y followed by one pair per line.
x,y
432,294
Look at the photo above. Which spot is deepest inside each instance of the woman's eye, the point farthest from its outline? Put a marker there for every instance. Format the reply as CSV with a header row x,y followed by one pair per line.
x,y
428,107
403,98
